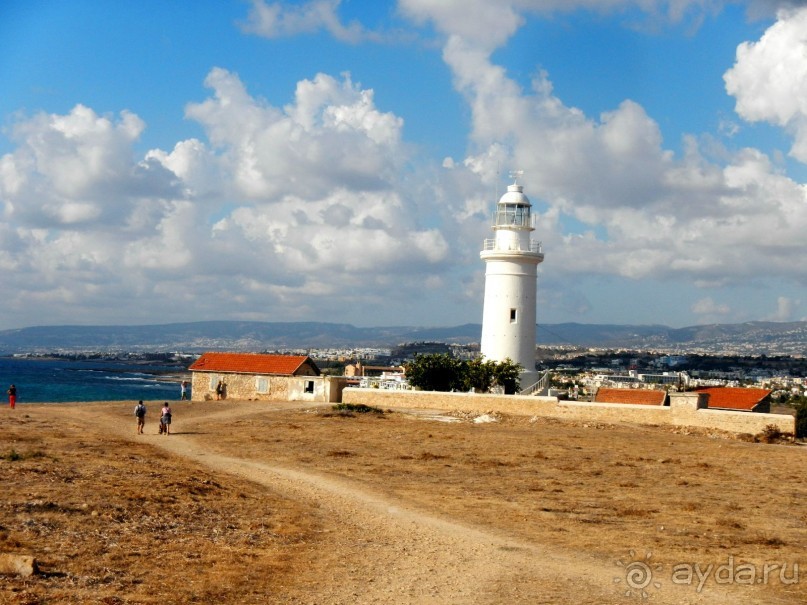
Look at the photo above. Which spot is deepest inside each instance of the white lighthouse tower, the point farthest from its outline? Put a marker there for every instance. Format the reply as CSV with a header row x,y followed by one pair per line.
x,y
511,266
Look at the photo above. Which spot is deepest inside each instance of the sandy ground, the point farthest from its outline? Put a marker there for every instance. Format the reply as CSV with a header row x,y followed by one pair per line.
x,y
251,502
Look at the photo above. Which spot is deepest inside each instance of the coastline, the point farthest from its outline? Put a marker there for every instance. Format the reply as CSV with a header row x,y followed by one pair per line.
x,y
57,379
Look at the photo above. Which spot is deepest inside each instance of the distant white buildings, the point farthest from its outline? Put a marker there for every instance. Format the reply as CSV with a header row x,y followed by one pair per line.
x,y
637,380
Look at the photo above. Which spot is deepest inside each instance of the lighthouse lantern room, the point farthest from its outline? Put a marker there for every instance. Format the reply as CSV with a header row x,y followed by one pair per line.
x,y
511,266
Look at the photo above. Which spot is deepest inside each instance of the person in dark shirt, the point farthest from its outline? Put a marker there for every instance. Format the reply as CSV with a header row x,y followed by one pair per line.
x,y
140,413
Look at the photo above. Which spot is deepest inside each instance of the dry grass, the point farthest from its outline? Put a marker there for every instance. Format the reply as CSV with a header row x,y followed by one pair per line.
x,y
113,519
602,490
117,522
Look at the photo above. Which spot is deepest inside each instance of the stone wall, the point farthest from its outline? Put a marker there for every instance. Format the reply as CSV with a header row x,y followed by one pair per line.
x,y
685,409
280,388
237,386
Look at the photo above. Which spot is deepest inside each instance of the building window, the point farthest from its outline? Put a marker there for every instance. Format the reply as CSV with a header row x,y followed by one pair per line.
x,y
309,386
214,380
512,316
262,384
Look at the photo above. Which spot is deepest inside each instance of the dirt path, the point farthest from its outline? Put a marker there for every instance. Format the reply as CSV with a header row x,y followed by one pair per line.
x,y
378,550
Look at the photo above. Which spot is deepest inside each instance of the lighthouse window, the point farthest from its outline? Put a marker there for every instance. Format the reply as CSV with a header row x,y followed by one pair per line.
x,y
515,215
512,316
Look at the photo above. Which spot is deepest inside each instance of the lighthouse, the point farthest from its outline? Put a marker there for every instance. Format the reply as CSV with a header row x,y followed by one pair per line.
x,y
511,266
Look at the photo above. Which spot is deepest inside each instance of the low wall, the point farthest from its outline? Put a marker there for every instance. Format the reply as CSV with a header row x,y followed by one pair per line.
x,y
685,409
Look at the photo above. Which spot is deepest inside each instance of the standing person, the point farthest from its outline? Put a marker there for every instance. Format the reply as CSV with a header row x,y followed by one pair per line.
x,y
220,389
184,390
12,396
140,413
165,419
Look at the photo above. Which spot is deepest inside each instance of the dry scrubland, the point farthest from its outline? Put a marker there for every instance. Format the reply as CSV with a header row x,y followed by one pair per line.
x,y
253,503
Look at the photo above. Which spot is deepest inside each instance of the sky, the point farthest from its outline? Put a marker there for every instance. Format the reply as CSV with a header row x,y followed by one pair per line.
x,y
340,160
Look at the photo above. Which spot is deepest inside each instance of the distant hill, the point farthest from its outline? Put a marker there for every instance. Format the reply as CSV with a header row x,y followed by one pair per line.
x,y
222,335
750,338
770,338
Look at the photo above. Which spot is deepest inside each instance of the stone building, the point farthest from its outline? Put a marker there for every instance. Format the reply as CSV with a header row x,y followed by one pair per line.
x,y
738,399
253,376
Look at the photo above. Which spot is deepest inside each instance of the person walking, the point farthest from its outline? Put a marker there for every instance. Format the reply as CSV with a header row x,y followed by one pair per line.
x,y
165,419
12,396
140,414
184,390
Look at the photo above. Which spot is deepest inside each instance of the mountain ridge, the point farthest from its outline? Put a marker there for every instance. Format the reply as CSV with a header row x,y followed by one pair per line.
x,y
755,337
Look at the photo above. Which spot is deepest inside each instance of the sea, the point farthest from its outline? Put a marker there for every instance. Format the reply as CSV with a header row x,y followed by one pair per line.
x,y
58,381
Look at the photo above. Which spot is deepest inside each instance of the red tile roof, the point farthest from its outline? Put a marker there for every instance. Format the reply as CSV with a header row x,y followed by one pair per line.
x,y
734,398
635,396
251,363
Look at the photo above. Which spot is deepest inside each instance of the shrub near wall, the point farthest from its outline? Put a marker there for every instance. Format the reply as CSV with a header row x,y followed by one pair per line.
x,y
801,420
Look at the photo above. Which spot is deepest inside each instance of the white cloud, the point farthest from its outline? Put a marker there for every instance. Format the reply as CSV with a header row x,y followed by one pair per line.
x,y
279,206
658,215
488,24
649,214
709,308
199,170
769,78
321,208
485,23
77,168
79,152
277,19
786,309
331,136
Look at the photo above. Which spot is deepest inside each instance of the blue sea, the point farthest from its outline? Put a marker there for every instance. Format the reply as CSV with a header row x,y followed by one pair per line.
x,y
51,380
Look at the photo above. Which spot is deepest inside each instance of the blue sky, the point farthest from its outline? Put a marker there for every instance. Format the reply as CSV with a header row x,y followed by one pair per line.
x,y
338,161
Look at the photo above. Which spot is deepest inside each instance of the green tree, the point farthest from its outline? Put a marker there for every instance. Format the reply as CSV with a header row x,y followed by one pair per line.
x,y
435,372
442,372
479,375
507,374
801,418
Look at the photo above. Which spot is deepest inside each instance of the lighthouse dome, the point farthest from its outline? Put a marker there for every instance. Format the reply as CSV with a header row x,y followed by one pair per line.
x,y
514,196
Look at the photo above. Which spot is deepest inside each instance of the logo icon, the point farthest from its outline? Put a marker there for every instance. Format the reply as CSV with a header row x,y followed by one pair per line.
x,y
638,575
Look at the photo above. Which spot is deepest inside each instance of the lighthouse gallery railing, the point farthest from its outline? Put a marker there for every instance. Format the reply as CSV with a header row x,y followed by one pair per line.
x,y
490,244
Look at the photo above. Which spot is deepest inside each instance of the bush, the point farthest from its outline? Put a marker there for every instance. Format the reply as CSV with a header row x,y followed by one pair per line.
x,y
770,434
479,375
507,375
435,372
801,420
773,434
359,408
13,456
442,372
